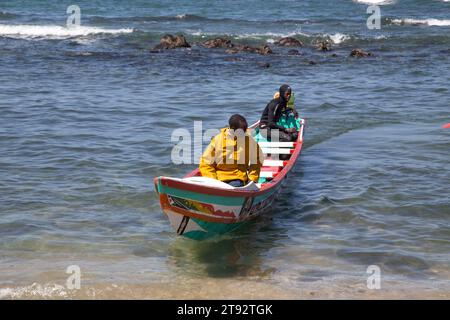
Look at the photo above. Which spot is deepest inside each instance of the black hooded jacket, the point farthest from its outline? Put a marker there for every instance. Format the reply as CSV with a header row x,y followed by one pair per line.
x,y
273,111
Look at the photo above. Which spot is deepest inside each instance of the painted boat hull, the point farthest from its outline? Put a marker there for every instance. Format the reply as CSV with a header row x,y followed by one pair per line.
x,y
199,211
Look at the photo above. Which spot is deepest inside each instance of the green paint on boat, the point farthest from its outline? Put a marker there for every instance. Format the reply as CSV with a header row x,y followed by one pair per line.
x,y
213,229
264,196
201,197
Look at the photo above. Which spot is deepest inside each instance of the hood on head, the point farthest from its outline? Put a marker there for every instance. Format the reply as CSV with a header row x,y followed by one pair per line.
x,y
283,89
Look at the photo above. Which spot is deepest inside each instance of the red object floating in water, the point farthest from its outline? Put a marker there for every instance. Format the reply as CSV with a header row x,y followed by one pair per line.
x,y
446,126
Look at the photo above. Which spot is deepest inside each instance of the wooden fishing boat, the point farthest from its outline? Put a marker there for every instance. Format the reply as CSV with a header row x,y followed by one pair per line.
x,y
200,207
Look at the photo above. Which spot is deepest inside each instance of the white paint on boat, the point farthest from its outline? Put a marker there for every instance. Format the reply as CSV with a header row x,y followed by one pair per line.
x,y
270,144
276,150
273,163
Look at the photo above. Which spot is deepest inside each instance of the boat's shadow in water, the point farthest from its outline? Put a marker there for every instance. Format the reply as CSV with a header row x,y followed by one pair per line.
x,y
238,254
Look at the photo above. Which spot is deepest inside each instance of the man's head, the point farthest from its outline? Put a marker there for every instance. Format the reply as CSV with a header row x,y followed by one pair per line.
x,y
285,92
237,121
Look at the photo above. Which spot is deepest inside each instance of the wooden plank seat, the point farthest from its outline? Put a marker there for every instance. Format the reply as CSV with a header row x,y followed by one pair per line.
x,y
274,163
277,150
270,144
271,169
268,174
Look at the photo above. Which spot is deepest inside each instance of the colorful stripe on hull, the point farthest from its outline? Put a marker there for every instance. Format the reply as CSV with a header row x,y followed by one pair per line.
x,y
199,212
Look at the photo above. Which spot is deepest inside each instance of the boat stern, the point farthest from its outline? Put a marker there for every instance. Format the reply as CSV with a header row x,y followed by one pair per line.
x,y
198,212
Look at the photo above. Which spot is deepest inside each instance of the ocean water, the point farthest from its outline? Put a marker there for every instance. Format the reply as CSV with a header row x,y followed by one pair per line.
x,y
86,122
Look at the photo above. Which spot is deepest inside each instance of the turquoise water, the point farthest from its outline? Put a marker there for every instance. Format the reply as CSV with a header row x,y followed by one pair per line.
x,y
86,121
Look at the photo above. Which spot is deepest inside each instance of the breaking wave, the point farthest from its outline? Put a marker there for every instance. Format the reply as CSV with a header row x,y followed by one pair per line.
x,y
54,32
375,2
338,38
271,37
429,22
6,15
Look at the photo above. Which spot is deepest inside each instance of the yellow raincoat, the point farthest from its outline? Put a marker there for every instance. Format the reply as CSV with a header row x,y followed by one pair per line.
x,y
232,156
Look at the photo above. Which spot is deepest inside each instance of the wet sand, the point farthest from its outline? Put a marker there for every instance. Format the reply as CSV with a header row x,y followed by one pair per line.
x,y
231,289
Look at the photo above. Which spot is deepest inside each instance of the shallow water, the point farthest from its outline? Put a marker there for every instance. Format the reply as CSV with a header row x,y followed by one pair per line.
x,y
86,120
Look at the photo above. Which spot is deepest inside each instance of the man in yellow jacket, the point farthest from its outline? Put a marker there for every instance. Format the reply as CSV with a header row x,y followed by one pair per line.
x,y
233,156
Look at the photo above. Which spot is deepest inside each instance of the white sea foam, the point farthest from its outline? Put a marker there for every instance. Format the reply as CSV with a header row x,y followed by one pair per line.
x,y
54,32
268,34
375,2
251,35
338,37
34,290
429,22
272,37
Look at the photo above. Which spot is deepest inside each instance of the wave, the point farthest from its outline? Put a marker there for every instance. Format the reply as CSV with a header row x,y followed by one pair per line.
x,y
271,37
54,32
179,17
375,2
254,35
338,38
86,35
187,17
269,34
429,22
194,18
6,15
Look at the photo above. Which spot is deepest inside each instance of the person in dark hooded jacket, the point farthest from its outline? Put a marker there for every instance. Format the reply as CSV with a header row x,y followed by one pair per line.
x,y
272,113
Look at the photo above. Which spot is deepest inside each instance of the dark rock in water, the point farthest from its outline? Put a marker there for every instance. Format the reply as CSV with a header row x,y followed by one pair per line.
x,y
294,52
324,46
171,42
241,48
334,55
311,62
247,48
264,50
233,59
289,42
232,51
264,65
218,43
359,53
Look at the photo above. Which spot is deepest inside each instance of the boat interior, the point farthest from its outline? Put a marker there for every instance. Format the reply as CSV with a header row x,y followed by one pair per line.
x,y
276,157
